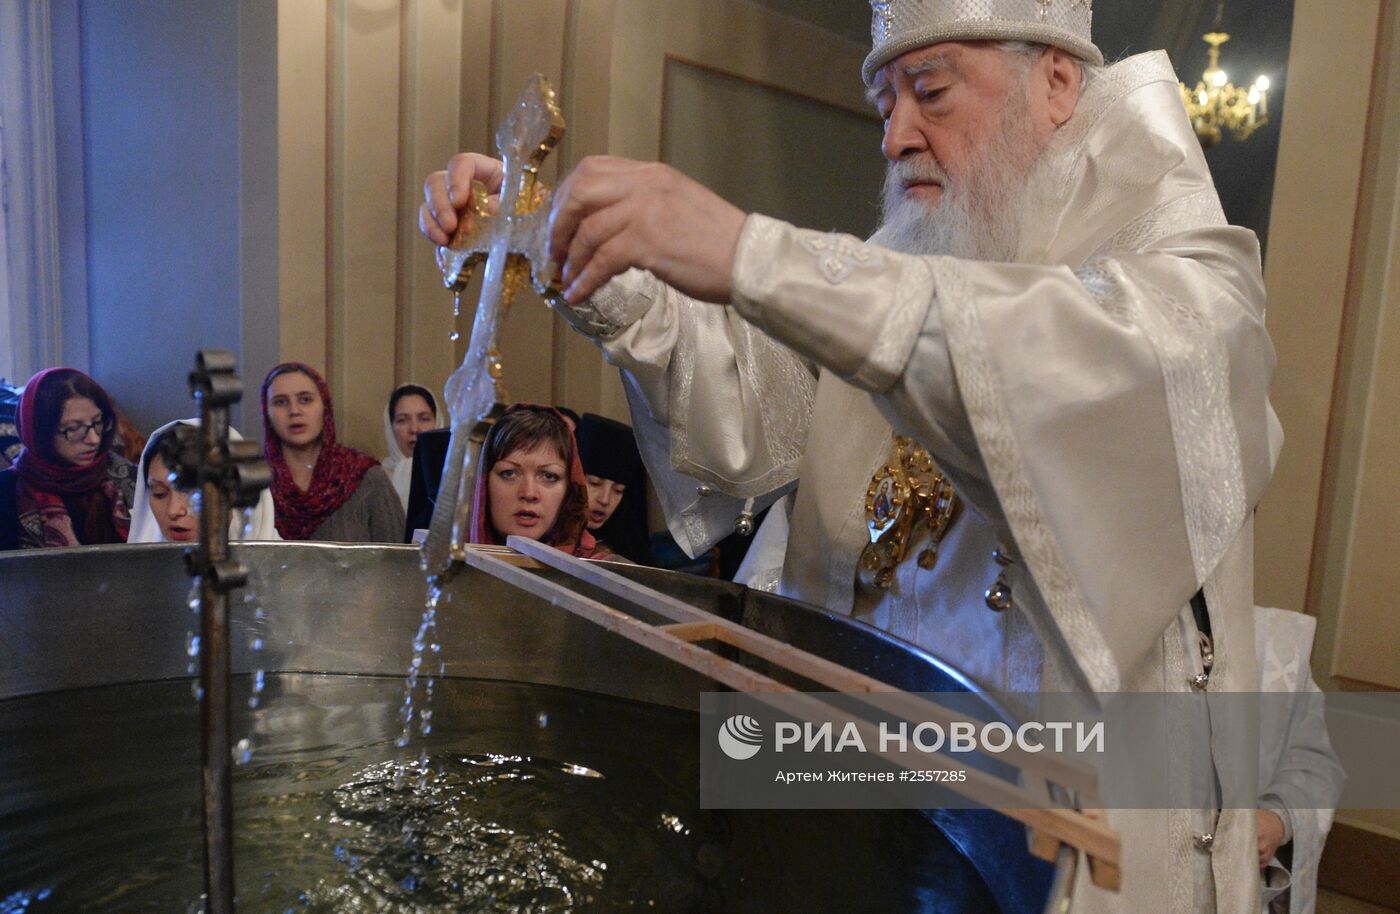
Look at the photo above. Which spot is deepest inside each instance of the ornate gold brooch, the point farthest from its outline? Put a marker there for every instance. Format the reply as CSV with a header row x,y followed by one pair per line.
x,y
905,494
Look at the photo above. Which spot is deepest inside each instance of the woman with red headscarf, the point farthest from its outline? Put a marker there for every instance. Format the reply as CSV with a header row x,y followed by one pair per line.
x,y
321,490
533,485
67,487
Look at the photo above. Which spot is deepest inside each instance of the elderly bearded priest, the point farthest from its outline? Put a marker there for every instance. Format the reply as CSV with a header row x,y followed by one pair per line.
x,y
1054,307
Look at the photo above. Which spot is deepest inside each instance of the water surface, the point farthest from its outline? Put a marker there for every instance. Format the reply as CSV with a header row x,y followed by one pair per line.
x,y
532,799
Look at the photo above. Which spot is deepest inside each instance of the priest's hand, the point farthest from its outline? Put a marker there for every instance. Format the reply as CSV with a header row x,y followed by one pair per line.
x,y
612,214
446,194
1270,828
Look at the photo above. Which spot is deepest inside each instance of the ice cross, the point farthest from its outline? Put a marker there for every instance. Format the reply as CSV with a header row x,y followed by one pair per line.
x,y
514,243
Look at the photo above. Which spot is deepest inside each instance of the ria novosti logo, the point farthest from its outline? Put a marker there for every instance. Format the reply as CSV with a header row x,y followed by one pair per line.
x,y
740,737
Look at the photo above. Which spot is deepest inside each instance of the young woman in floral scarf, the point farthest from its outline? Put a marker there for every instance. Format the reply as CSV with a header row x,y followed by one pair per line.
x,y
322,490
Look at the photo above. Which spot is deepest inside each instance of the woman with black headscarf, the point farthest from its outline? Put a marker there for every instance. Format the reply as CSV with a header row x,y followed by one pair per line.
x,y
617,486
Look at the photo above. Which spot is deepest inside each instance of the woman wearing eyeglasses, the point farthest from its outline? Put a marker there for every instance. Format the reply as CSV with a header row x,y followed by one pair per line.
x,y
67,487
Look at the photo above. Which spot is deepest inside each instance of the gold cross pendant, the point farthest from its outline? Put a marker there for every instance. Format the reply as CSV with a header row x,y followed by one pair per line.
x,y
904,495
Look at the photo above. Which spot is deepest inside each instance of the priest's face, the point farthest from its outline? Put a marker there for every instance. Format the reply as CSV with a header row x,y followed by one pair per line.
x,y
961,137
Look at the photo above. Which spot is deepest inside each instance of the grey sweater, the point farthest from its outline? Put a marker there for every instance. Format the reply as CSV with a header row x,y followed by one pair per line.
x,y
373,514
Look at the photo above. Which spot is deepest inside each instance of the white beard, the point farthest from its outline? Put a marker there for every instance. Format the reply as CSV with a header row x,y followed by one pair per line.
x,y
978,216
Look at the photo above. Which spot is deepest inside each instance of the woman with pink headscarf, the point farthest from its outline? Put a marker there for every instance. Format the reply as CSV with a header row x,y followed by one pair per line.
x,y
67,487
321,490
532,485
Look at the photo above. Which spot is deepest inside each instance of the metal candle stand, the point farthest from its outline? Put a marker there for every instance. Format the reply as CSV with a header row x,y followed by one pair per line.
x,y
227,474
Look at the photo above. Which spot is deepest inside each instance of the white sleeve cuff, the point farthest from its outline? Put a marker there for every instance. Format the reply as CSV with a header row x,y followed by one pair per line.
x,y
619,304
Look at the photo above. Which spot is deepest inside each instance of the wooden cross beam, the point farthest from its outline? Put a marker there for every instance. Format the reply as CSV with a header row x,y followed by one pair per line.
x,y
680,639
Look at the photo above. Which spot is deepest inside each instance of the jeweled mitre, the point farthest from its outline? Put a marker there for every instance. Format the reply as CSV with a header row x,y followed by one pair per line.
x,y
898,26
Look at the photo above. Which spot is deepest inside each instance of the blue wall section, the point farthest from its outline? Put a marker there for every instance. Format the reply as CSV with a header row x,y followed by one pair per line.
x,y
161,153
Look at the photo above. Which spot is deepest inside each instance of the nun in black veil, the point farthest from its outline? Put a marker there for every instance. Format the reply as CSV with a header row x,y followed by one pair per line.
x,y
617,486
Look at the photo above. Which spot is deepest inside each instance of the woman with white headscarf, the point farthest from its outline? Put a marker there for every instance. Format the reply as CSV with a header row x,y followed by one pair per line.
x,y
411,410
162,514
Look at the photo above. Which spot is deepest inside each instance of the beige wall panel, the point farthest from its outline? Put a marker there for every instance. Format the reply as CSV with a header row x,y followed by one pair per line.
x,y
1384,821
1310,244
579,373
587,85
751,42
1362,553
772,151
1348,568
474,129
301,179
638,69
474,121
742,39
431,90
633,118
1368,627
364,169
527,37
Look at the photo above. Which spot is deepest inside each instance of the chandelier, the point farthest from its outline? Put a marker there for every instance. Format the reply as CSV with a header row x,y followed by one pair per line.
x,y
1216,104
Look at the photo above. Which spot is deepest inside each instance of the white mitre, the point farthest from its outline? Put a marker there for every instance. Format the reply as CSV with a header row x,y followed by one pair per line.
x,y
898,26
